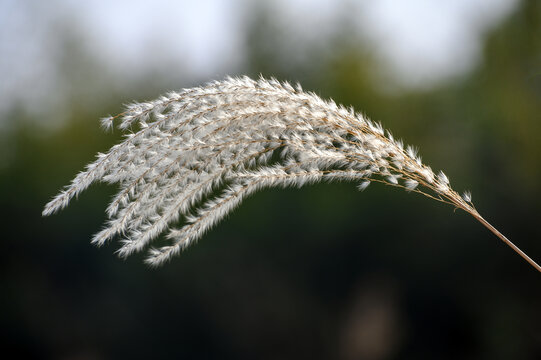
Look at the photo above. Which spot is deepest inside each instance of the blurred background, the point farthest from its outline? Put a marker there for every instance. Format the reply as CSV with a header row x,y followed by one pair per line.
x,y
320,272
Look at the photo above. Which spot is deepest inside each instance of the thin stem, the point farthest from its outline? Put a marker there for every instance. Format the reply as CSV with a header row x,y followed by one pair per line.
x,y
507,241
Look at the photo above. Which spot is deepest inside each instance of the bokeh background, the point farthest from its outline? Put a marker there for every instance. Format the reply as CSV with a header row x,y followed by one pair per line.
x,y
319,272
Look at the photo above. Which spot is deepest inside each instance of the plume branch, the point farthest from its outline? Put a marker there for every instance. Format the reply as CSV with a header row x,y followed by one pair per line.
x,y
197,153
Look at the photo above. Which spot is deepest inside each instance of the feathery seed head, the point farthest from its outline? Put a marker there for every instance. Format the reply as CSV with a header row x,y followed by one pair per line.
x,y
199,152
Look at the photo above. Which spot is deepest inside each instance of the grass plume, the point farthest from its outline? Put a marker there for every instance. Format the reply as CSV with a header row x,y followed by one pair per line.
x,y
199,152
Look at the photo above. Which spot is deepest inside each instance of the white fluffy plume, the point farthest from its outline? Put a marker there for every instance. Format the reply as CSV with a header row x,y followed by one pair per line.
x,y
194,155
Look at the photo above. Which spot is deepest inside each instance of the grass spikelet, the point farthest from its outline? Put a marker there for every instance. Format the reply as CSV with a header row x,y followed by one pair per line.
x,y
196,154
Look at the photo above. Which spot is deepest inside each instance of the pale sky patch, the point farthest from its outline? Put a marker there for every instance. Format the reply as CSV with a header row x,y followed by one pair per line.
x,y
422,42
